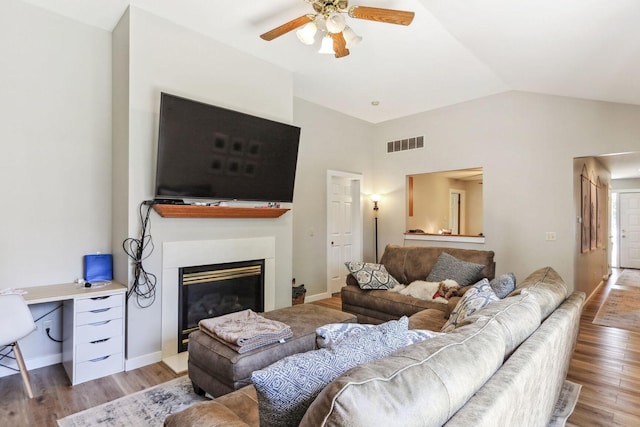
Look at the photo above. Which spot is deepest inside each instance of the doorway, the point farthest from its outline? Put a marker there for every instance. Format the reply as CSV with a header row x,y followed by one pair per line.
x,y
628,229
344,226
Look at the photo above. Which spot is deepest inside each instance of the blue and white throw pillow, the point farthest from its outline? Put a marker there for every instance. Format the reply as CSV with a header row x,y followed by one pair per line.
x,y
331,334
450,267
286,388
479,296
503,285
371,276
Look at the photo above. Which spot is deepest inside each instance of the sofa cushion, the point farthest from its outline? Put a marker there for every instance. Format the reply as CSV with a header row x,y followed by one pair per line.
x,y
409,263
503,285
450,267
476,298
519,316
287,388
371,276
547,287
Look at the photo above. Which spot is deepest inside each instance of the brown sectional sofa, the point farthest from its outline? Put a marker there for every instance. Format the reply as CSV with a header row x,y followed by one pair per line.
x,y
406,264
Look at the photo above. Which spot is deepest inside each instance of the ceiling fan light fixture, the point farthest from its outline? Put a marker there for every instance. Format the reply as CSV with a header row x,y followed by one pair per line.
x,y
327,45
307,33
335,23
351,37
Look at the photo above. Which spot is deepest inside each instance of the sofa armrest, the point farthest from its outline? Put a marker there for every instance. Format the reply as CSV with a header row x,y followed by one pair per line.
x,y
236,409
211,414
351,280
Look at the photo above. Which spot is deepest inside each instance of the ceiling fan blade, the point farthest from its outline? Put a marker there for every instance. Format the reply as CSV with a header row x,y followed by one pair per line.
x,y
339,45
390,16
285,28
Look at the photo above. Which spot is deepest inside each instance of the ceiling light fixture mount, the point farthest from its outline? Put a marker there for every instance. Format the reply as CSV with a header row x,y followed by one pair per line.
x,y
330,21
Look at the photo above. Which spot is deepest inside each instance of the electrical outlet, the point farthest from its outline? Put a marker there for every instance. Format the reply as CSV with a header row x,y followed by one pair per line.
x,y
550,235
47,325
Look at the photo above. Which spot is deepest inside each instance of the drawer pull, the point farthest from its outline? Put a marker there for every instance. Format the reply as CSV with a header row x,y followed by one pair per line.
x,y
99,298
101,310
99,323
100,359
99,341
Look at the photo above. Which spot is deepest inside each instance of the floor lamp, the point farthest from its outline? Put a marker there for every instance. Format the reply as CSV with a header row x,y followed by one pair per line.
x,y
375,199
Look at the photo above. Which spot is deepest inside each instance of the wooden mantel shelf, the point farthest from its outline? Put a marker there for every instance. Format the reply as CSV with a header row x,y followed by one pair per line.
x,y
192,211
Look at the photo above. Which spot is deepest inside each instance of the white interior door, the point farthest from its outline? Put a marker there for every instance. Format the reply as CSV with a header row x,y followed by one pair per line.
x,y
629,230
344,226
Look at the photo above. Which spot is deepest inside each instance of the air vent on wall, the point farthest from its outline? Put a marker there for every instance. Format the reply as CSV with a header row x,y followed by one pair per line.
x,y
405,144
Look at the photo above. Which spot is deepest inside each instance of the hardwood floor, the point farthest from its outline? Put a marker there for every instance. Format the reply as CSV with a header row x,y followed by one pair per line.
x,y
606,362
55,398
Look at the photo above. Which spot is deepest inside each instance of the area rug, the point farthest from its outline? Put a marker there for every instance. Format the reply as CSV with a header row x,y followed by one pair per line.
x,y
621,309
566,404
629,278
148,407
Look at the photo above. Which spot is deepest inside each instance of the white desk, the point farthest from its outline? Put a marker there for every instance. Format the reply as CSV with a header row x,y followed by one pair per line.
x,y
66,291
93,321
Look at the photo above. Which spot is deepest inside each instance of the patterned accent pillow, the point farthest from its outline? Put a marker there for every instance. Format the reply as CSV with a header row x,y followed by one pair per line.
x,y
479,296
286,388
450,267
503,285
371,276
331,334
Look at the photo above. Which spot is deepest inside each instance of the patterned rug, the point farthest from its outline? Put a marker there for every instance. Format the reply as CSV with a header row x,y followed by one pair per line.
x,y
629,278
621,309
148,407
566,404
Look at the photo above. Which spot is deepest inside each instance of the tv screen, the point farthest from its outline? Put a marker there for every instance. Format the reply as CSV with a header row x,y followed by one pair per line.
x,y
209,152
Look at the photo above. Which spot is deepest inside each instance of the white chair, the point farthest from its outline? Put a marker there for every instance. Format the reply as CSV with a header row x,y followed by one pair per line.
x,y
16,322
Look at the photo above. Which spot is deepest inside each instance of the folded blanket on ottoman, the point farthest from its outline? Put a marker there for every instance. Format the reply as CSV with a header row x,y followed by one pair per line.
x,y
245,330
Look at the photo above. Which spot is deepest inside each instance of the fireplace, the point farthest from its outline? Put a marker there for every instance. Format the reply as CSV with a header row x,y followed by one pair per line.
x,y
180,254
215,290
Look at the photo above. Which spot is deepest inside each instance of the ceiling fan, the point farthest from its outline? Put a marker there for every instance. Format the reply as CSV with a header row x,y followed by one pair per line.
x,y
329,20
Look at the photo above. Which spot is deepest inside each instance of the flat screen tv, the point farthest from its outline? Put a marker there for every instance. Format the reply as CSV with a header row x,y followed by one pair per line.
x,y
209,152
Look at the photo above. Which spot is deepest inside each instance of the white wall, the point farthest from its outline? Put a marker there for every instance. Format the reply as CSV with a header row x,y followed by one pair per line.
x,y
165,57
625,184
526,144
55,104
329,140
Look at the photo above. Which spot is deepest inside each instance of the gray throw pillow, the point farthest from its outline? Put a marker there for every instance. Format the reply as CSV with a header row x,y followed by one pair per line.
x,y
450,267
286,388
503,285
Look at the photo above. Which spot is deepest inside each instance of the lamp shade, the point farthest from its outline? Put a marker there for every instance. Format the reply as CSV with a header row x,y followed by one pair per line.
x,y
350,37
327,45
335,23
307,33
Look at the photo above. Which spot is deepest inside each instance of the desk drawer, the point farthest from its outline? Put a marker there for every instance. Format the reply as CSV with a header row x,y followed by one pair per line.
x,y
98,331
99,367
98,315
99,348
97,303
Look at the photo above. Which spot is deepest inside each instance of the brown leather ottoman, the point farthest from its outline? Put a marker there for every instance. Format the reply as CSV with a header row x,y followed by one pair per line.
x,y
217,369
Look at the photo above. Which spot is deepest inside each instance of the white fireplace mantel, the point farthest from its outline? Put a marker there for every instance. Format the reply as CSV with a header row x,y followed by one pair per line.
x,y
176,255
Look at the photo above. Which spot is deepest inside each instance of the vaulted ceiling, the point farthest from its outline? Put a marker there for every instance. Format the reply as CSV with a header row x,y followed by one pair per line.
x,y
454,51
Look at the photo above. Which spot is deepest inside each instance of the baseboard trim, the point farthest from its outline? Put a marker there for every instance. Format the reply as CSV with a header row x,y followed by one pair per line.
x,y
33,363
144,360
317,297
